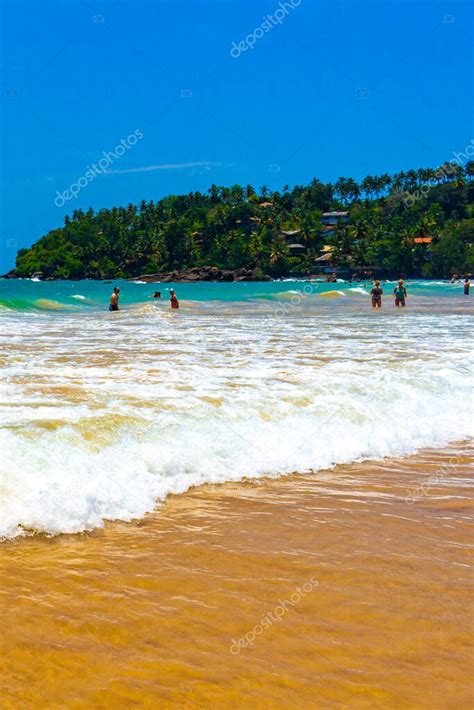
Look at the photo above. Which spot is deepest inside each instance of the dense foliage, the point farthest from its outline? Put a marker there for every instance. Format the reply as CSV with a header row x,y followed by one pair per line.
x,y
239,227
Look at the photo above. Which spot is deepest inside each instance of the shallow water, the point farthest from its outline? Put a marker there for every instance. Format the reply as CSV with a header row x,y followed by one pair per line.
x,y
345,585
103,415
362,574
80,296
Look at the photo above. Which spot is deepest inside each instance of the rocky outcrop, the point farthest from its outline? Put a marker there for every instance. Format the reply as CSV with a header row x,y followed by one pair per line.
x,y
195,273
204,273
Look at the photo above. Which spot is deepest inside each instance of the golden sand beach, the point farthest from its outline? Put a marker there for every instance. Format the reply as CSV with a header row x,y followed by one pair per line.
x,y
167,612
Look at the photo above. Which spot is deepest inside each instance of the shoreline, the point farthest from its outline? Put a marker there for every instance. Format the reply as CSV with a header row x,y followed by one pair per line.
x,y
212,274
234,485
171,609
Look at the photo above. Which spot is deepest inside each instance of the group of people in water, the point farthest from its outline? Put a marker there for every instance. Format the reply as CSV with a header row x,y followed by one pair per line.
x,y
400,295
114,299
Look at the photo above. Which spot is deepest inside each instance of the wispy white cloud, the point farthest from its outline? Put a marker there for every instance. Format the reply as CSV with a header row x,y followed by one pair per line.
x,y
165,166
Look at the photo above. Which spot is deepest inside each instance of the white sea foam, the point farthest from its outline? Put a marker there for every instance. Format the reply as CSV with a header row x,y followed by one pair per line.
x,y
108,419
358,289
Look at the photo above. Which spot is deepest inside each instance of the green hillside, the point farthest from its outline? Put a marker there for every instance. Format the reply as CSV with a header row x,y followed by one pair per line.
x,y
235,227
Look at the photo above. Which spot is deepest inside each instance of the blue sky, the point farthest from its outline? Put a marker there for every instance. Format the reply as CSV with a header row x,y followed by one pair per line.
x,y
338,88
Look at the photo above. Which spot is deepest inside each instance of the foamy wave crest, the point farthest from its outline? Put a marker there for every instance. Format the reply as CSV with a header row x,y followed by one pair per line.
x,y
357,289
331,294
48,304
56,483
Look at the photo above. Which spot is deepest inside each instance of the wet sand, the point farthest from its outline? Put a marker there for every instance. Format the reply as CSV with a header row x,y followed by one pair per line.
x,y
361,575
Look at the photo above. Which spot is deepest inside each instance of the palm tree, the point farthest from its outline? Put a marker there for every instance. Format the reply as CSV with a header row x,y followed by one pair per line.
x,y
214,193
343,188
384,182
236,194
450,170
398,182
278,251
368,185
411,178
458,174
352,189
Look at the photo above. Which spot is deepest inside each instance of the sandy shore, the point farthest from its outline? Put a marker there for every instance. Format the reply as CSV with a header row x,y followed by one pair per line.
x,y
347,588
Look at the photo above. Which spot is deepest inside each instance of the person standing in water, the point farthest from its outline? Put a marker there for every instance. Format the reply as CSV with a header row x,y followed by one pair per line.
x,y
400,294
173,299
114,298
376,294
467,286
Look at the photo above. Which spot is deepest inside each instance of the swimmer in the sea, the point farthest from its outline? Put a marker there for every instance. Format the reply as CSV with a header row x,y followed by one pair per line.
x,y
467,286
400,294
114,298
173,299
157,294
376,294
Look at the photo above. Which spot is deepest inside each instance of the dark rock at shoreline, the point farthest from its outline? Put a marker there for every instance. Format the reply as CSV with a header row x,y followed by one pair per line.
x,y
193,274
203,273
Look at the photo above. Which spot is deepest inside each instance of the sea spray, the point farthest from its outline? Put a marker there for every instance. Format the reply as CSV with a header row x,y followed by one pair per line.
x,y
101,418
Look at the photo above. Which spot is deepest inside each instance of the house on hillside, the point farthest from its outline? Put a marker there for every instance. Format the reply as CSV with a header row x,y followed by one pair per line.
x,y
422,247
296,249
197,237
330,220
324,259
290,235
324,262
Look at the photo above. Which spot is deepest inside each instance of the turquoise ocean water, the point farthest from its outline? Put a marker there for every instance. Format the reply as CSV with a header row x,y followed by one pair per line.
x,y
25,294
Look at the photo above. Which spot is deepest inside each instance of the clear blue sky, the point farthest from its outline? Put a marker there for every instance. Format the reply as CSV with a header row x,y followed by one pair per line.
x,y
338,88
